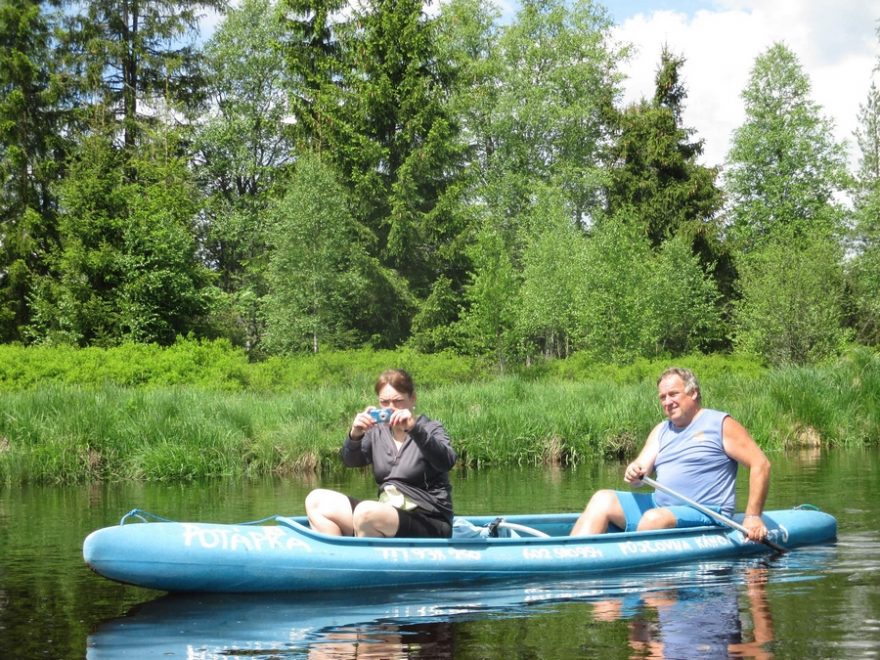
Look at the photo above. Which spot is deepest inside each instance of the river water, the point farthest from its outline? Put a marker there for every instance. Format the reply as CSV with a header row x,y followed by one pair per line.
x,y
818,602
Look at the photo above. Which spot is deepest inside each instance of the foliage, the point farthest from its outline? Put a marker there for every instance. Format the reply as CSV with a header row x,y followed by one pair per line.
x,y
656,178
785,175
202,364
242,150
34,141
784,168
483,191
791,307
863,268
487,327
218,366
317,271
635,302
550,79
123,55
372,102
556,80
126,266
547,312
707,367
314,59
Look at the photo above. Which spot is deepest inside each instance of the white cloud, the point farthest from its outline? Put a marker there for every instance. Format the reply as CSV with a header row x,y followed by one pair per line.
x,y
834,41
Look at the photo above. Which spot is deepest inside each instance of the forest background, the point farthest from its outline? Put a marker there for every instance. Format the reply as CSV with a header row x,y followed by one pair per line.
x,y
322,177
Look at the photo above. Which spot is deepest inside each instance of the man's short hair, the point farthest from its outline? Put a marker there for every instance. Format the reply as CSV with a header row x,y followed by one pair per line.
x,y
691,384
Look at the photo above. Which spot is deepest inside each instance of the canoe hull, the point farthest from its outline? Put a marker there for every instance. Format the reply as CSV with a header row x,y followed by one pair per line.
x,y
288,556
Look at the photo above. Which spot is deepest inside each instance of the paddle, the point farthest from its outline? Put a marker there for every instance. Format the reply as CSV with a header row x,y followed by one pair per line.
x,y
724,520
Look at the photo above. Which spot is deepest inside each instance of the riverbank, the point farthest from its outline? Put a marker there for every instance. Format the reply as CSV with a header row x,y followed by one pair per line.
x,y
78,433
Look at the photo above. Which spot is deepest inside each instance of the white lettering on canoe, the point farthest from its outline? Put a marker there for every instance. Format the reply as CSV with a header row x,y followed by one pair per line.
x,y
465,555
256,540
395,554
563,552
577,552
404,555
706,542
651,547
536,553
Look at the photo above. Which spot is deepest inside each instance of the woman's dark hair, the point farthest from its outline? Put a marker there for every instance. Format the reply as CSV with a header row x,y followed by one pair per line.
x,y
398,379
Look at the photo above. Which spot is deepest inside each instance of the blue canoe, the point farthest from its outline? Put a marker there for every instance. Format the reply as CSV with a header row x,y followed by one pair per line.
x,y
283,554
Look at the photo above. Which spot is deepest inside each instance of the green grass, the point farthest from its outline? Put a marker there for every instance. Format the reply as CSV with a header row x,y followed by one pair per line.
x,y
76,433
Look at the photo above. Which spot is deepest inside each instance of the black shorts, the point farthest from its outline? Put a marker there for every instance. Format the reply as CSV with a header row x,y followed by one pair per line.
x,y
417,524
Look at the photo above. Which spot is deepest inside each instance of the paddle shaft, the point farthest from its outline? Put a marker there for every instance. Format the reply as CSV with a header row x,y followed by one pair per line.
x,y
724,520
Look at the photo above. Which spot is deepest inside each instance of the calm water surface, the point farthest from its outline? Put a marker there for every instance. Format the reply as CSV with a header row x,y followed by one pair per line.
x,y
820,602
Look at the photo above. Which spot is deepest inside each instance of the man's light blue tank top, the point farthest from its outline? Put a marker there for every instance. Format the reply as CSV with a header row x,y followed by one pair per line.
x,y
692,461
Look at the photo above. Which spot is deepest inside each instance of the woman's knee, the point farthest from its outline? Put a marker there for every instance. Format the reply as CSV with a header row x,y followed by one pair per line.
x,y
329,504
372,518
317,499
367,512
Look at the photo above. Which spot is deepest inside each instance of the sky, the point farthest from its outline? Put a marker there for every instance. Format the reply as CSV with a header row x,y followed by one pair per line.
x,y
835,42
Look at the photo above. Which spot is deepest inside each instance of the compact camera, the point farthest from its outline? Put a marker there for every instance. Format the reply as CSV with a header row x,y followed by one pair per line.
x,y
381,415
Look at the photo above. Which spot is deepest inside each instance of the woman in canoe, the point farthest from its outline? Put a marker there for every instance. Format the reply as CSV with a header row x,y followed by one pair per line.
x,y
411,458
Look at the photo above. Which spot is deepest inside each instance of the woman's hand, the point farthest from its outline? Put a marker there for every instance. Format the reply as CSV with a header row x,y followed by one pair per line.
x,y
403,418
361,423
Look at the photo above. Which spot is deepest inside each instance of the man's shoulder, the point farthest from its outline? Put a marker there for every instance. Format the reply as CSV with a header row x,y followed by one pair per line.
x,y
658,429
713,414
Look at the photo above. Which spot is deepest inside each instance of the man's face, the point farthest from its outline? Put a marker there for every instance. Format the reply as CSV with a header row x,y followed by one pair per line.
x,y
679,406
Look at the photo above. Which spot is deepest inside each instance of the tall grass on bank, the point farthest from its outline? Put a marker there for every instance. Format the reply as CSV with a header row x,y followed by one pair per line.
x,y
80,433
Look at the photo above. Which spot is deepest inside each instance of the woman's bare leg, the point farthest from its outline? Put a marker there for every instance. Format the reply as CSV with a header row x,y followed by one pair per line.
x,y
330,512
375,519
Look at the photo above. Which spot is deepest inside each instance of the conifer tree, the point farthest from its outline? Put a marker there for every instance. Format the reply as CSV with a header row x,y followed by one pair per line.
x,y
655,178
33,147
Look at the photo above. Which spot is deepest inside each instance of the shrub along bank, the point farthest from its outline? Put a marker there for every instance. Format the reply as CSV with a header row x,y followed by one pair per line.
x,y
201,410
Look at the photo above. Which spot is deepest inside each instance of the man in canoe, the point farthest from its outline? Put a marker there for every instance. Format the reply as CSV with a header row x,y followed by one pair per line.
x,y
696,452
411,458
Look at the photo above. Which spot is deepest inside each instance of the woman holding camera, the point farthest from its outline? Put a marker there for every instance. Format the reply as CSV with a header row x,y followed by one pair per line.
x,y
411,458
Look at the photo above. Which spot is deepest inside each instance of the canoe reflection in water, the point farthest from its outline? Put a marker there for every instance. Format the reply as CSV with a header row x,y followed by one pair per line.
x,y
313,626
697,621
715,609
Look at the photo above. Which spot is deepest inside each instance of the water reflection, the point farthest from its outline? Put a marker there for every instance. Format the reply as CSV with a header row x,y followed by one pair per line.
x,y
681,622
717,609
825,601
383,641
